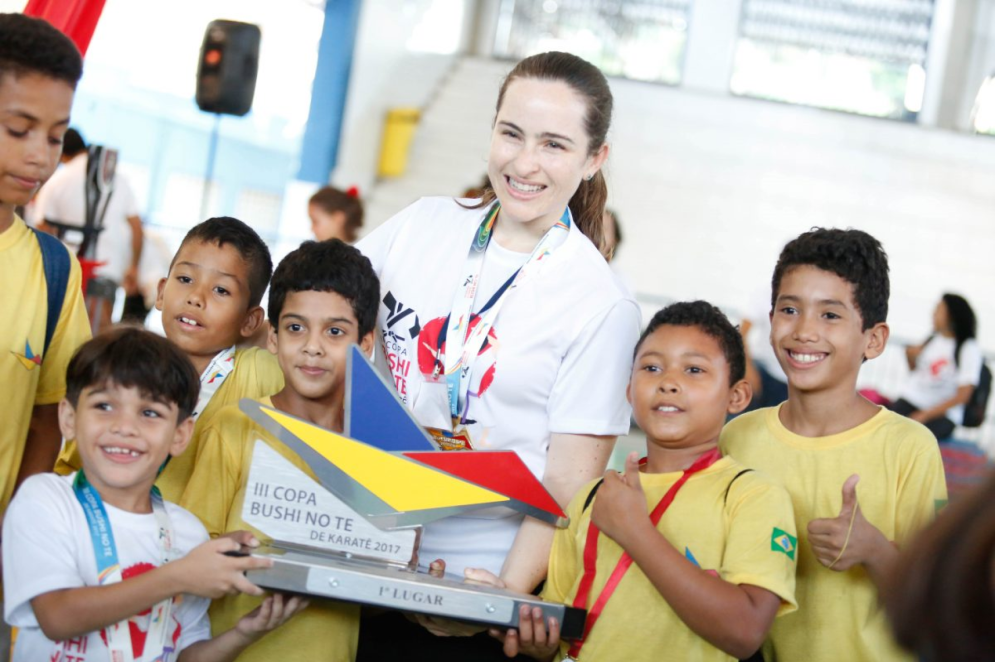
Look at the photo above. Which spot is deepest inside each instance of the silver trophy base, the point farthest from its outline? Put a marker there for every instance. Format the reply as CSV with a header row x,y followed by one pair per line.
x,y
353,580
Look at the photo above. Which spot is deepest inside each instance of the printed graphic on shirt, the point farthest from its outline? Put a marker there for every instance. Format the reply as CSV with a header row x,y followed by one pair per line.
x,y
784,542
400,320
75,650
430,354
936,367
28,359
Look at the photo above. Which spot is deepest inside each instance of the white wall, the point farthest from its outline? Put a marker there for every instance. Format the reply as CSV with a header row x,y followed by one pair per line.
x,y
710,187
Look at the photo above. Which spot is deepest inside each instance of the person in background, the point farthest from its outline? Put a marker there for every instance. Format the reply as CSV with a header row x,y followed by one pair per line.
x,y
336,214
945,369
119,245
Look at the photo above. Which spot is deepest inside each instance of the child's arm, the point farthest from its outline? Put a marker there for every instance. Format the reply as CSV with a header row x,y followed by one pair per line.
x,y
206,571
531,638
271,614
732,617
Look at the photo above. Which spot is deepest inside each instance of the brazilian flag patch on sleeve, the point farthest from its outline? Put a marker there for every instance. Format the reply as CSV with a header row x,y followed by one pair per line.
x,y
784,542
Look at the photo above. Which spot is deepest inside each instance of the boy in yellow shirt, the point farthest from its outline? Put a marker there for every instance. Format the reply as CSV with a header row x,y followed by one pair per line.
x,y
209,302
712,541
39,69
829,306
323,298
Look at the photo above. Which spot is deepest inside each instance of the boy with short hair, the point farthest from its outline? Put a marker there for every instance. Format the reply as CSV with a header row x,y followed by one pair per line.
x,y
39,69
209,303
829,310
95,564
323,299
713,541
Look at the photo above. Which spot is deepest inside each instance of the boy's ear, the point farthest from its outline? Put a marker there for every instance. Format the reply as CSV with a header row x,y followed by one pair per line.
x,y
67,419
159,289
181,438
366,344
628,392
739,396
252,320
272,338
877,340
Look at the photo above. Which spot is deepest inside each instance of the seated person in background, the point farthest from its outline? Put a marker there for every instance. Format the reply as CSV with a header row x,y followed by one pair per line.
x,y
323,299
210,302
945,369
714,542
336,214
129,594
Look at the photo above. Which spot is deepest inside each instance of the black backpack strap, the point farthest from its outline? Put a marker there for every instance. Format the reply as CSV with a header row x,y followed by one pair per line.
x,y
55,262
590,496
725,497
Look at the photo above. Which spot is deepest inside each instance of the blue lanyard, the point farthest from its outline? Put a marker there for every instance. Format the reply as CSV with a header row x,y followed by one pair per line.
x,y
119,644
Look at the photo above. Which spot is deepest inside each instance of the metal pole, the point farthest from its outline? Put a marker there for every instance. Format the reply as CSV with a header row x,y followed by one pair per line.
x,y
212,152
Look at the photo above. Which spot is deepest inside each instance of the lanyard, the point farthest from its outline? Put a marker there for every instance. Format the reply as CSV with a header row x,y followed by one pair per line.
x,y
463,334
591,553
119,643
213,376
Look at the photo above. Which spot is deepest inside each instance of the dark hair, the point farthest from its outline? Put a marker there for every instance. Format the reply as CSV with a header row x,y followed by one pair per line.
x,y
253,250
72,143
853,255
963,323
712,322
32,46
618,232
331,200
588,203
942,596
135,358
328,266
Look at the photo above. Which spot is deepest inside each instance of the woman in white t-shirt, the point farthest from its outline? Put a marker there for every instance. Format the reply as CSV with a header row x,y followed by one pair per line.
x,y
945,369
548,345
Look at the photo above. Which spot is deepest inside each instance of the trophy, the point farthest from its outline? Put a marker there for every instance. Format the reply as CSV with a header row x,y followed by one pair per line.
x,y
353,533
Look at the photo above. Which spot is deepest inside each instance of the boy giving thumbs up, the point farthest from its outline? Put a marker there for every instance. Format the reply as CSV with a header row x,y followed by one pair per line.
x,y
828,312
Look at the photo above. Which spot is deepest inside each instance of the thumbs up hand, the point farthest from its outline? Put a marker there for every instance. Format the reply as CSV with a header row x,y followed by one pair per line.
x,y
619,509
848,539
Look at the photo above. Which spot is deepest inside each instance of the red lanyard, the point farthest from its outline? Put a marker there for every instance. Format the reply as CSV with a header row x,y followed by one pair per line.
x,y
591,553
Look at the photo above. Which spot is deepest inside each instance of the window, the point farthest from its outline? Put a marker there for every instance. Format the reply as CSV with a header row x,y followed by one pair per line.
x,y
638,39
859,56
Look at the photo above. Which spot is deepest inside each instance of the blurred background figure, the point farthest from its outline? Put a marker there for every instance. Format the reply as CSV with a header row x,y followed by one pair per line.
x,y
118,245
946,369
336,214
942,598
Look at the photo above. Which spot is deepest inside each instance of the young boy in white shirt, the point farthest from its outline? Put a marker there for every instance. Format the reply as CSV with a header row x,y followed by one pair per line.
x,y
96,565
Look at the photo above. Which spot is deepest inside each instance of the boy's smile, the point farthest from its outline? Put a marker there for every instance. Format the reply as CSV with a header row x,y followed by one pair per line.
x,y
34,115
123,437
816,330
679,390
204,300
311,343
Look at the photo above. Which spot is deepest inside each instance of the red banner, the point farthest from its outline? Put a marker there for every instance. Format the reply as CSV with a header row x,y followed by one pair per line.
x,y
76,18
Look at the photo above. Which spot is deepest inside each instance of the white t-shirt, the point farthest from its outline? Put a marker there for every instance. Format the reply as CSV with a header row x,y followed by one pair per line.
x,y
557,359
63,199
938,376
47,547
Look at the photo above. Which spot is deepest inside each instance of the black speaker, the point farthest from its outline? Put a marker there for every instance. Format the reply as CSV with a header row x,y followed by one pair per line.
x,y
229,61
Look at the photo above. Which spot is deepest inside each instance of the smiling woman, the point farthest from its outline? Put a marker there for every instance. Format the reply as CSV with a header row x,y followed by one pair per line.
x,y
503,328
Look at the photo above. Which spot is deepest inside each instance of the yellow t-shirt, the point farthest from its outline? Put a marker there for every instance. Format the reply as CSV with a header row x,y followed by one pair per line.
x,y
256,374
901,486
745,537
326,630
24,311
